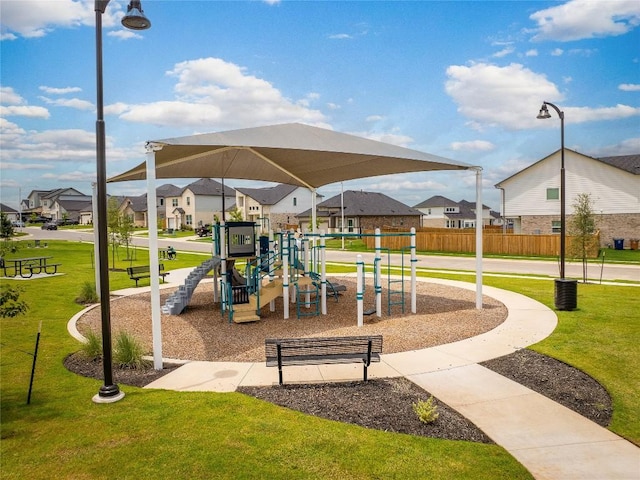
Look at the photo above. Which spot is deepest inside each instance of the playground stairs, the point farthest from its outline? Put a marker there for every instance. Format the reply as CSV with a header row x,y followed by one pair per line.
x,y
178,300
246,312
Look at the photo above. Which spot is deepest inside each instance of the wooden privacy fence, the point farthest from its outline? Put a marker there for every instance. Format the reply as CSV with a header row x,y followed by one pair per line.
x,y
464,241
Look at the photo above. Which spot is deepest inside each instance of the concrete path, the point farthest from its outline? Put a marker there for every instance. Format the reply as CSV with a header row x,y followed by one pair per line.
x,y
551,441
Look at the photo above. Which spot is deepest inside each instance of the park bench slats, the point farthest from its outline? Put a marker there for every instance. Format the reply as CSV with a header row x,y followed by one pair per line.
x,y
143,271
322,350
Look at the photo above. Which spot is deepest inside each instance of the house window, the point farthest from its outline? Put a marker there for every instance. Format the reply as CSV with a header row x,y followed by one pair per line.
x,y
450,209
553,193
188,201
555,226
189,220
174,202
295,201
428,211
240,202
161,202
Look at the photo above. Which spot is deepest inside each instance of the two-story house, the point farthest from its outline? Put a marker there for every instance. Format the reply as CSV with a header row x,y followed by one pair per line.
x,y
198,203
531,197
273,207
47,203
136,207
441,212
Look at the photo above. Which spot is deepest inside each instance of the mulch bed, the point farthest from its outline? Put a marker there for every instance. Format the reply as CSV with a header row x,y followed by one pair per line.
x,y
386,404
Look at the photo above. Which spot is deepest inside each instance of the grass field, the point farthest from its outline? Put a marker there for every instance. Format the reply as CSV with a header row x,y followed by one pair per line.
x,y
160,434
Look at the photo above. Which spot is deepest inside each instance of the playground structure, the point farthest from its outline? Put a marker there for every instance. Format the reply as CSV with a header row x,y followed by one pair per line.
x,y
296,271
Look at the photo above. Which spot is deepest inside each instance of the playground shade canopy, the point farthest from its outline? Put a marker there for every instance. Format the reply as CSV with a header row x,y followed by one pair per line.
x,y
293,153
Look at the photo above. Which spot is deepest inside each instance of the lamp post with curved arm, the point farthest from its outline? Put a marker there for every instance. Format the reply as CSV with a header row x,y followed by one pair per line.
x,y
135,20
565,294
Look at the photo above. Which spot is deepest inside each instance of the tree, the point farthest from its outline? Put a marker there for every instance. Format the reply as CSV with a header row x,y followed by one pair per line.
x,y
10,303
235,215
113,225
6,228
582,227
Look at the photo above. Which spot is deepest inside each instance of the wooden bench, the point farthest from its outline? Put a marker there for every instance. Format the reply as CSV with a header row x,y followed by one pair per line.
x,y
322,350
142,271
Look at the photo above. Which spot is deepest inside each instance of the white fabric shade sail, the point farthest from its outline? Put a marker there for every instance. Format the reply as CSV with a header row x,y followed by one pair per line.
x,y
294,154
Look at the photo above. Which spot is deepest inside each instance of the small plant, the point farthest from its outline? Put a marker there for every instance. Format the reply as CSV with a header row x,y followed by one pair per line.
x,y
92,348
87,294
427,411
128,352
10,303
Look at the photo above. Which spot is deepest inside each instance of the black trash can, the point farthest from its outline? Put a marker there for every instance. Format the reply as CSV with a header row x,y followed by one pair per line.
x,y
618,243
566,293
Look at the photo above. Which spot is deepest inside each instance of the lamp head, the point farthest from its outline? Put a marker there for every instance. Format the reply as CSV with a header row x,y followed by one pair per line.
x,y
544,112
135,18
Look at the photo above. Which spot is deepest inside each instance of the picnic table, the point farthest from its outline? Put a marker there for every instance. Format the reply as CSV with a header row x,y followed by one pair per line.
x,y
26,267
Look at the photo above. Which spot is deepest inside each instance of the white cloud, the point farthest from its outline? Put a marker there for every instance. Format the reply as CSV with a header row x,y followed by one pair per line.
x,y
23,111
374,118
75,103
9,97
586,114
217,94
340,36
504,52
59,91
75,176
629,87
630,146
25,166
531,53
473,146
490,95
557,52
124,34
579,19
387,137
37,18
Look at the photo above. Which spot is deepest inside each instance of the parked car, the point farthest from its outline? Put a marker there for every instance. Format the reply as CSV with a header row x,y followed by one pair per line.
x,y
49,226
203,230
68,221
17,224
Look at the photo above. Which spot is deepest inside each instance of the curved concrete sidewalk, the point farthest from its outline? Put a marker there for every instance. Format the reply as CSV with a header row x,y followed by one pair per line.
x,y
550,440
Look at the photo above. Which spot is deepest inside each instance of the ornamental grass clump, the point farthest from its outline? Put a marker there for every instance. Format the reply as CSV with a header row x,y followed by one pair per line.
x,y
88,294
92,348
427,411
128,352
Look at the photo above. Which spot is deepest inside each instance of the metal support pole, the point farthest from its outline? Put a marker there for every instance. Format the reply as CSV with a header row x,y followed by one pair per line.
x,y
109,392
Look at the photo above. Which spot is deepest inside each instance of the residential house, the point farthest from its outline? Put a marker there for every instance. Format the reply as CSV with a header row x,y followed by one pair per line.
x,y
441,212
531,197
136,207
198,203
273,207
11,213
361,211
46,203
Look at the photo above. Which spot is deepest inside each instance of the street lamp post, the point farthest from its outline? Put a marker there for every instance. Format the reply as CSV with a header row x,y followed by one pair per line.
x,y
565,289
135,20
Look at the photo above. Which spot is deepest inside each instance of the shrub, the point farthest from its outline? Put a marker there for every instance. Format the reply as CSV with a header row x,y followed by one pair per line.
x,y
10,303
92,348
128,352
427,411
88,294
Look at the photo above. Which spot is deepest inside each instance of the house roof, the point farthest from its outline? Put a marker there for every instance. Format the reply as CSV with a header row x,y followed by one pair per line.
x,y
210,187
436,201
74,205
7,209
268,195
472,205
629,163
168,190
360,204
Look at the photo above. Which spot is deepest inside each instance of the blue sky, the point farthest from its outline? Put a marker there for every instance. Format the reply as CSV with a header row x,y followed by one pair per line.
x,y
463,80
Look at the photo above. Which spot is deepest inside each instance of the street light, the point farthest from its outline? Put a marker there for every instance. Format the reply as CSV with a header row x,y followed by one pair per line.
x,y
565,289
134,19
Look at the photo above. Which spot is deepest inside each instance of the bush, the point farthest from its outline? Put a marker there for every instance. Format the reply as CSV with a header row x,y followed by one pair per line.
x,y
427,411
10,303
92,348
88,294
128,352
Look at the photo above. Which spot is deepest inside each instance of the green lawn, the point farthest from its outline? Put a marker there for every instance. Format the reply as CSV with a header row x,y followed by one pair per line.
x,y
160,434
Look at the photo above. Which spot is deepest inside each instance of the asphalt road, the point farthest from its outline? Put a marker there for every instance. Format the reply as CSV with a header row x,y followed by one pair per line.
x,y
609,271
